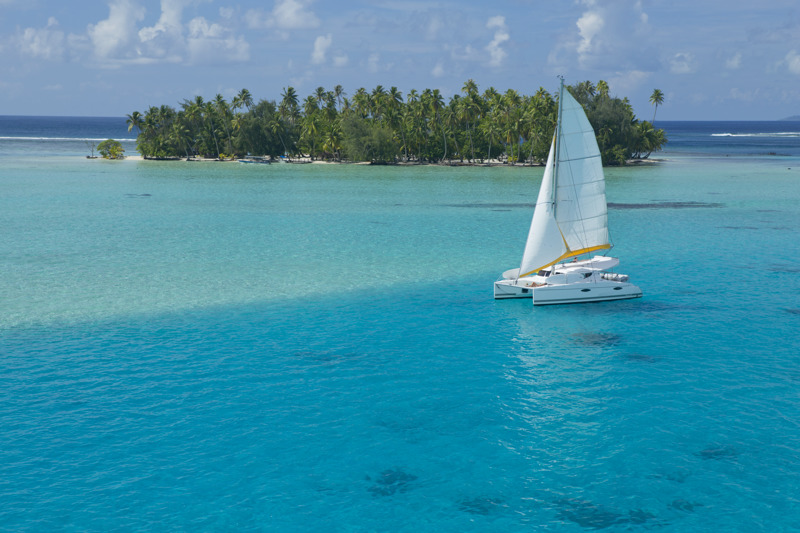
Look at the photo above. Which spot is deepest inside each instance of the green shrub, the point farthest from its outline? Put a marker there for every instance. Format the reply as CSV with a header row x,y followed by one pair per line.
x,y
111,149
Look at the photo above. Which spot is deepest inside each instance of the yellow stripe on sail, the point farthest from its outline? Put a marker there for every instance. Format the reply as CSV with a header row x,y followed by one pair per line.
x,y
567,255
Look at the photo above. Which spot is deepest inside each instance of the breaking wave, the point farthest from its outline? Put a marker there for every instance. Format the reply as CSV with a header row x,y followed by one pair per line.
x,y
62,139
780,135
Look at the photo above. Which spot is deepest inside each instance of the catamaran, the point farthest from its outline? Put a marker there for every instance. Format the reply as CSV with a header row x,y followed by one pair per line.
x,y
570,220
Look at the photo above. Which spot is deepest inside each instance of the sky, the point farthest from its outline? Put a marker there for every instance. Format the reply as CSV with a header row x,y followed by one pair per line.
x,y
712,59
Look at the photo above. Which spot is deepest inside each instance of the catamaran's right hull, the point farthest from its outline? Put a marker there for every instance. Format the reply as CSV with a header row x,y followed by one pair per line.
x,y
575,293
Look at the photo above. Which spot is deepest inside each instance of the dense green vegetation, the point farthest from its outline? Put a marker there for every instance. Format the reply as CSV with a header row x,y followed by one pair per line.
x,y
111,149
382,127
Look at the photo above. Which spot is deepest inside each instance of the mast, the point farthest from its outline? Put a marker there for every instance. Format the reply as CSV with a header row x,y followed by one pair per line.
x,y
558,142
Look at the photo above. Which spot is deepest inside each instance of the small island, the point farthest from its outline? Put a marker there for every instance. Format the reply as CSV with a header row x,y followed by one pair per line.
x,y
111,149
383,127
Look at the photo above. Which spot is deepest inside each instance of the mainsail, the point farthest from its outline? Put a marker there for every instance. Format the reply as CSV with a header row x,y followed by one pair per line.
x,y
571,216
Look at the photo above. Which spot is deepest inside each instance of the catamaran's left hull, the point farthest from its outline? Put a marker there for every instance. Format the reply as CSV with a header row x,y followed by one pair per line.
x,y
511,288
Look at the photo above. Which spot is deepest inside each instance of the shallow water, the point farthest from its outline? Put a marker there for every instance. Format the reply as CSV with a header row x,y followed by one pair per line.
x,y
221,347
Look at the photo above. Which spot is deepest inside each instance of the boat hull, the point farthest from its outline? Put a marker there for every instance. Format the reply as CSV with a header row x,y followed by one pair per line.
x,y
605,291
569,293
510,288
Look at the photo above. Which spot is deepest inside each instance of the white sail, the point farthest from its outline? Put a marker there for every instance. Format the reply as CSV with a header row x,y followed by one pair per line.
x,y
570,218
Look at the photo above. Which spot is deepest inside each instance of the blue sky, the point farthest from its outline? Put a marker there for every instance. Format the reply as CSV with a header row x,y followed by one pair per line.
x,y
712,59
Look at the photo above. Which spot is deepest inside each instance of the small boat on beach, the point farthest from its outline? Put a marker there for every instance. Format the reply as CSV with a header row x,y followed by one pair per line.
x,y
570,220
257,160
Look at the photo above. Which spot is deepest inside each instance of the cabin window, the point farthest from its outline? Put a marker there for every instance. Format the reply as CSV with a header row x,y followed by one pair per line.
x,y
525,291
544,273
586,275
585,290
617,288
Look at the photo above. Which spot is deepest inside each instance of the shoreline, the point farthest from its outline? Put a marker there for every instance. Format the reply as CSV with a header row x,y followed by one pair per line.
x,y
307,160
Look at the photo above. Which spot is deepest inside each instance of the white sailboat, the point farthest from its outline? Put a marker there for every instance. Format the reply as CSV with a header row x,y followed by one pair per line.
x,y
570,220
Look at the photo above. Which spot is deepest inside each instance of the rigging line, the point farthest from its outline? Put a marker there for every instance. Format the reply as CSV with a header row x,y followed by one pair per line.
x,y
581,159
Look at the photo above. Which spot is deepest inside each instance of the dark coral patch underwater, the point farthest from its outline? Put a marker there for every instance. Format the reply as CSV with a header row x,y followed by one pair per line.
x,y
596,339
390,482
481,505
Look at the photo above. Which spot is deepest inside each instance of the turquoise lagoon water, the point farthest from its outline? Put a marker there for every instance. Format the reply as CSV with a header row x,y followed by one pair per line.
x,y
198,347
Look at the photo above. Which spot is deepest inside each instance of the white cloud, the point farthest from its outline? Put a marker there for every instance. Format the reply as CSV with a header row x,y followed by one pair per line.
x,y
111,37
438,70
496,53
609,34
117,40
199,28
744,96
733,63
497,21
292,14
321,45
626,82
682,63
433,27
793,62
286,15
372,62
43,43
165,38
589,27
209,43
467,53
340,60
168,23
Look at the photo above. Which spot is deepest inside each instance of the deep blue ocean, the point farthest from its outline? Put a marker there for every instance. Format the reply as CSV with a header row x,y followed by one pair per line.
x,y
192,346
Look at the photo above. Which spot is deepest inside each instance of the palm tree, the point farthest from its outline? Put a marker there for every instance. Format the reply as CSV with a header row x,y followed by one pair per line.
x,y
450,122
310,124
179,135
244,98
319,95
470,111
222,109
332,141
492,130
194,110
339,93
377,102
436,103
470,87
394,114
361,102
289,105
602,88
209,113
512,115
276,126
411,121
134,121
657,98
